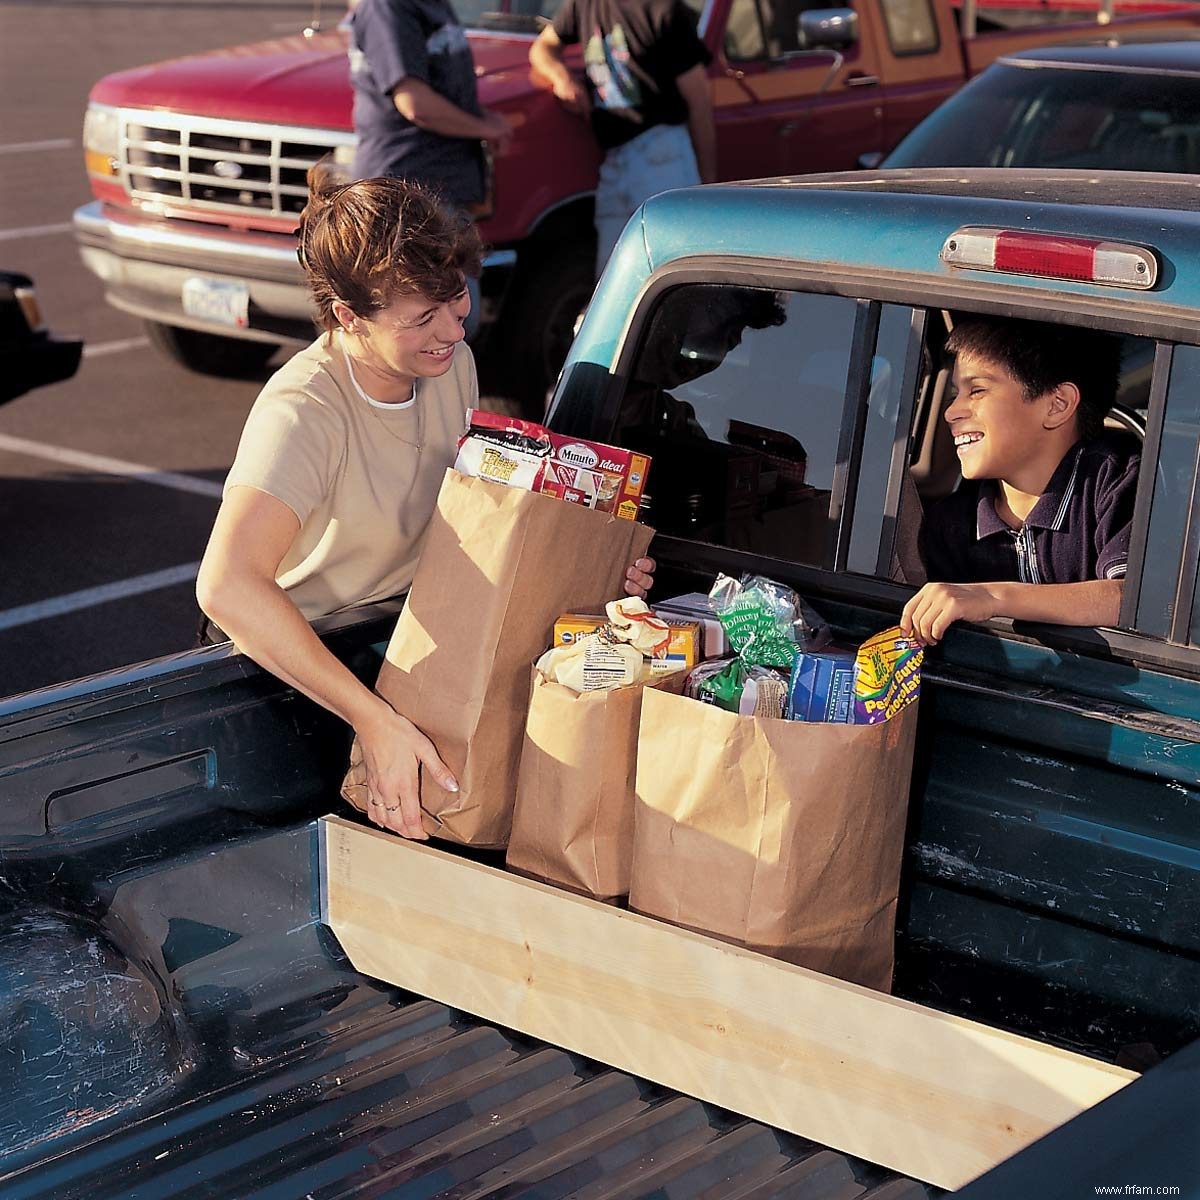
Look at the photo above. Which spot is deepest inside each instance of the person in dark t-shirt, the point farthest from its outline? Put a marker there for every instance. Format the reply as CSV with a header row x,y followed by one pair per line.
x,y
1039,528
646,96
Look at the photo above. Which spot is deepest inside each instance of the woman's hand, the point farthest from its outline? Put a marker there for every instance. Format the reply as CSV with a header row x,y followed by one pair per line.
x,y
639,579
394,752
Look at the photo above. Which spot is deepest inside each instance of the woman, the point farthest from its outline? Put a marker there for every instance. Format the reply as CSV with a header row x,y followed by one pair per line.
x,y
338,469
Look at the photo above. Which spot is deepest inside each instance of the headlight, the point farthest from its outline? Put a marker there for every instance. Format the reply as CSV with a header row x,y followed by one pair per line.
x,y
101,133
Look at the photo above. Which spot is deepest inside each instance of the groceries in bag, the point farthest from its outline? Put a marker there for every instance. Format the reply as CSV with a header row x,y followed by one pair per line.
x,y
630,647
766,622
526,455
683,649
698,607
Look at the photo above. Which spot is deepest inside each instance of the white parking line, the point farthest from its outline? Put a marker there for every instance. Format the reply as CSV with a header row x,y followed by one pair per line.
x,y
27,147
101,348
110,466
58,606
11,235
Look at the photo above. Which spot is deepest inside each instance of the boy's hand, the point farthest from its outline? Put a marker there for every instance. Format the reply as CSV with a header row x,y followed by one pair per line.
x,y
937,606
639,579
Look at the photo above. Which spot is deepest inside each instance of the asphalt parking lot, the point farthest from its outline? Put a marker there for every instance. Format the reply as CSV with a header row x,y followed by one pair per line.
x,y
108,482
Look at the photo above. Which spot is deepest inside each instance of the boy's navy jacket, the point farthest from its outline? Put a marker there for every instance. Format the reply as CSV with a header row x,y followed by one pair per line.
x,y
1077,531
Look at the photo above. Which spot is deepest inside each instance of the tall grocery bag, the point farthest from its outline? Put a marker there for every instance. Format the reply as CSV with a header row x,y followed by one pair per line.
x,y
499,565
573,823
783,836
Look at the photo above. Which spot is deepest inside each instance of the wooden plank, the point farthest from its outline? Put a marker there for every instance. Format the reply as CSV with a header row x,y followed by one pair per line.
x,y
936,1097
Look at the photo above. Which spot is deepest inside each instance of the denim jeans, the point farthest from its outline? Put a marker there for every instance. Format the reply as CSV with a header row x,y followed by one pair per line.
x,y
653,162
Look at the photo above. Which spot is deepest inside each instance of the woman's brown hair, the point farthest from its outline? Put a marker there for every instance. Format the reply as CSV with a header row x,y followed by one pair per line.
x,y
371,241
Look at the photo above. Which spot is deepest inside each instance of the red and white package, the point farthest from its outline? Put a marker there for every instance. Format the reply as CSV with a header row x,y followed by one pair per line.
x,y
505,450
524,454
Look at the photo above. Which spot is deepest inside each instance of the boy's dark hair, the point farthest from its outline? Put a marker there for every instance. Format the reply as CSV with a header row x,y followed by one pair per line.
x,y
1040,356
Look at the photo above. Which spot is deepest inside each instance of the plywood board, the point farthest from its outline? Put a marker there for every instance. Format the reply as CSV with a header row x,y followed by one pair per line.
x,y
936,1097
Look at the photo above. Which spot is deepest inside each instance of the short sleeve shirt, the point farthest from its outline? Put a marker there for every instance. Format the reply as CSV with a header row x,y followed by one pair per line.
x,y
393,40
361,477
1078,530
634,51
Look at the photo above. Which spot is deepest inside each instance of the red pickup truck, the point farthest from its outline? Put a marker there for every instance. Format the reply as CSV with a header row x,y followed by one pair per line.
x,y
197,165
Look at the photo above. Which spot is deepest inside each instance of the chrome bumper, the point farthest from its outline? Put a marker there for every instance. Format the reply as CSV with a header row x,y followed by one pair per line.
x,y
144,262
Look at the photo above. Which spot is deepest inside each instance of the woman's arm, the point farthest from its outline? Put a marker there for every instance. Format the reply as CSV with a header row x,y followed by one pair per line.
x,y
236,588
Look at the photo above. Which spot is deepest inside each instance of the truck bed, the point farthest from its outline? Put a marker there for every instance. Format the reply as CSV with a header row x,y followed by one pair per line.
x,y
177,1022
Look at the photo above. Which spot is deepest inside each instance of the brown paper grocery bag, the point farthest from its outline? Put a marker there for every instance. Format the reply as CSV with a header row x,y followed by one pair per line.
x,y
499,565
783,836
573,823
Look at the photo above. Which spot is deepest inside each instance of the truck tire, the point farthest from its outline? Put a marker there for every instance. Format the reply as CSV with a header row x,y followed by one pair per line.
x,y
552,286
210,353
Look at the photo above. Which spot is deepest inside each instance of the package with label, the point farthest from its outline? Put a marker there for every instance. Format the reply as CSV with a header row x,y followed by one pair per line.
x,y
682,650
527,455
629,644
822,686
499,564
766,622
503,450
696,606
735,687
887,676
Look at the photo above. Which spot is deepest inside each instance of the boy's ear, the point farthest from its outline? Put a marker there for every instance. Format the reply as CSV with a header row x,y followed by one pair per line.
x,y
1062,403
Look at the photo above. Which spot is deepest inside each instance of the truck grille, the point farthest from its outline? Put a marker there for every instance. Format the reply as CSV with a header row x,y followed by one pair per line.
x,y
223,166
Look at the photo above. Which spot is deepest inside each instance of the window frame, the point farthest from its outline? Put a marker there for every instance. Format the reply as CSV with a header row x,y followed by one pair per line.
x,y
1167,325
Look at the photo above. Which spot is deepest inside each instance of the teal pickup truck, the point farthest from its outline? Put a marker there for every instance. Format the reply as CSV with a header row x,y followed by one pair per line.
x,y
175,1019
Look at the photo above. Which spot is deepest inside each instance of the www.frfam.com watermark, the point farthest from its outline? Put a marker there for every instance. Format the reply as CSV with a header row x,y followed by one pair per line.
x,y
1134,1189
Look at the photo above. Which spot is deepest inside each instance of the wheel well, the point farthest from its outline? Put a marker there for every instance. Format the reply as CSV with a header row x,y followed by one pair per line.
x,y
570,220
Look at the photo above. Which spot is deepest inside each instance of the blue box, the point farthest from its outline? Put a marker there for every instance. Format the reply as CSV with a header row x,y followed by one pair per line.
x,y
822,687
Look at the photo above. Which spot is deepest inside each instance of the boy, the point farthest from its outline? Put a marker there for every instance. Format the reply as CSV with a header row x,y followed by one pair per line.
x,y
1039,528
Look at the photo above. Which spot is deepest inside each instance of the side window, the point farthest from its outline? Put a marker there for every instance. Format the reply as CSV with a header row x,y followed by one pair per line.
x,y
911,26
886,504
770,29
738,394
744,41
1171,502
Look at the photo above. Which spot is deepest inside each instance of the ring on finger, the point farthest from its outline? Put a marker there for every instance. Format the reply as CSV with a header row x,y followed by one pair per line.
x,y
392,807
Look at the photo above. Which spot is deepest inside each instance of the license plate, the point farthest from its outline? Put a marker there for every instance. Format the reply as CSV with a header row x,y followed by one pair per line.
x,y
223,302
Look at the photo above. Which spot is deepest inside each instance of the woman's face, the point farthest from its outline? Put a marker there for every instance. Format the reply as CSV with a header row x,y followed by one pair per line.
x,y
414,337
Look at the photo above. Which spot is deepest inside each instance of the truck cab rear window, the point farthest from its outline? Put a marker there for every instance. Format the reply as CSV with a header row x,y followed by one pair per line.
x,y
738,394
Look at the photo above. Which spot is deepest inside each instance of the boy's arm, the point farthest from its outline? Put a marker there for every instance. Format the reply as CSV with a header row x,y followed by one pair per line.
x,y
937,606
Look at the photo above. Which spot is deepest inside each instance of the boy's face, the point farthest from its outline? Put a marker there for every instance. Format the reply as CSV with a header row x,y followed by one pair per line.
x,y
996,430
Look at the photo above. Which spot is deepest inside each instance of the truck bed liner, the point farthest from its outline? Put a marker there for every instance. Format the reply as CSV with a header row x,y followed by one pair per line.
x,y
318,1083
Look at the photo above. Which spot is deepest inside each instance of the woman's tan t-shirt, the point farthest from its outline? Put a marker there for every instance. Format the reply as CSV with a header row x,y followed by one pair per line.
x,y
362,478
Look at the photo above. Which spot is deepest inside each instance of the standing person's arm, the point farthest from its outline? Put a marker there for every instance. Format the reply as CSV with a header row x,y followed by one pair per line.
x,y
546,57
393,41
236,588
693,87
417,102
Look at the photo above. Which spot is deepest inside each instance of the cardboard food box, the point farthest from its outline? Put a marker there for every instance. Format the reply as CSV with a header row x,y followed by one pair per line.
x,y
683,650
524,454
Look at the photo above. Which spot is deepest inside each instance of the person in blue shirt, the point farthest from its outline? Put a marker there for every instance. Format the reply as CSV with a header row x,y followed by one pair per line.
x,y
416,111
